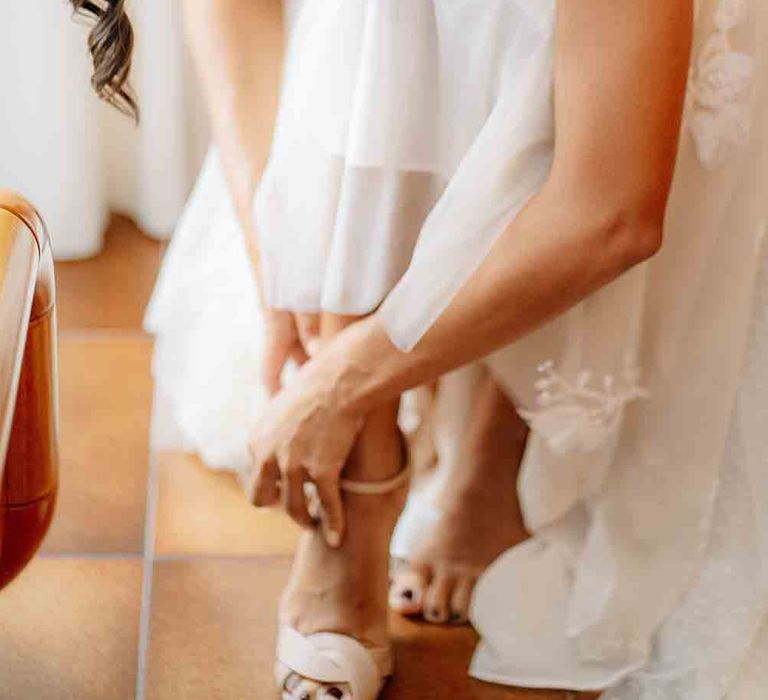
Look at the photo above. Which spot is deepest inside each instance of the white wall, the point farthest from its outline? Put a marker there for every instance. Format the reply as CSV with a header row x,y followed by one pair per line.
x,y
77,159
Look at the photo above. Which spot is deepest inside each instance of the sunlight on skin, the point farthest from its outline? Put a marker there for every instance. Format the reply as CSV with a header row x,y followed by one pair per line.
x,y
591,222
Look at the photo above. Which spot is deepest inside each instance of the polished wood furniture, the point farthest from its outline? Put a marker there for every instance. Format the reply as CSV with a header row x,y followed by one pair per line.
x,y
28,385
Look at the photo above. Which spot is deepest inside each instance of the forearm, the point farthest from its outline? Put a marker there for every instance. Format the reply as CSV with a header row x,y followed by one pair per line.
x,y
618,106
237,48
551,257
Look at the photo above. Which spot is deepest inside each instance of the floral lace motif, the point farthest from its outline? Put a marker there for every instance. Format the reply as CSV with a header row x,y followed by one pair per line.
x,y
576,416
720,86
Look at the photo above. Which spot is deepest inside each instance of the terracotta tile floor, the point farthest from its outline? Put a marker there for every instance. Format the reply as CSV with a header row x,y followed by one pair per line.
x,y
157,581
110,291
70,630
201,512
104,444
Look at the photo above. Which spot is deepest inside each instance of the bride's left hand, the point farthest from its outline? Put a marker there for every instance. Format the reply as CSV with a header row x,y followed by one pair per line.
x,y
305,434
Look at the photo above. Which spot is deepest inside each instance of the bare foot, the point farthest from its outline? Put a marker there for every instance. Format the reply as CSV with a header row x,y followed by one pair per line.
x,y
480,517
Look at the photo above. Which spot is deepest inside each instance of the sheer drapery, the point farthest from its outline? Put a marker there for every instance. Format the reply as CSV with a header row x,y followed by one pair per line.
x,y
77,159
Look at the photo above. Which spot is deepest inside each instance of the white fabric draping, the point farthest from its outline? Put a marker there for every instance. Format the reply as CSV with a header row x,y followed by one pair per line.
x,y
78,159
647,571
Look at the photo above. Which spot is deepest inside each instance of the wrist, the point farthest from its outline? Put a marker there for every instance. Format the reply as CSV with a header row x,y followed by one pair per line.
x,y
365,360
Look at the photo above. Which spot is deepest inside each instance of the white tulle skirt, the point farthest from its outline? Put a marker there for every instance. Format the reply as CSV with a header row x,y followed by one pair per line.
x,y
410,133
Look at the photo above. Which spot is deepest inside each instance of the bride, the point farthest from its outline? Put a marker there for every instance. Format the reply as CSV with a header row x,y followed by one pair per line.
x,y
554,211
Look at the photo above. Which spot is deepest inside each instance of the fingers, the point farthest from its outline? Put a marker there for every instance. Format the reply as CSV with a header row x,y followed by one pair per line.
x,y
263,487
294,498
270,485
333,509
308,326
283,341
298,354
274,360
278,352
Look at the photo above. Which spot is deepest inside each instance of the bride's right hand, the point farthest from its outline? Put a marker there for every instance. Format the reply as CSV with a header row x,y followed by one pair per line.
x,y
289,336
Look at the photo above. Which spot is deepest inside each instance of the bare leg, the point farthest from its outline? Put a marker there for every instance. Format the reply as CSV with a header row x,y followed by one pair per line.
x,y
480,514
345,590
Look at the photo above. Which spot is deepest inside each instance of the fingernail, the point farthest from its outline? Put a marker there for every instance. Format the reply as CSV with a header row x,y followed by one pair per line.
x,y
333,538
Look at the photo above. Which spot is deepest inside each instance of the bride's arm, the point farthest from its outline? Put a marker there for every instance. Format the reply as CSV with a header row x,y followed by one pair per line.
x,y
237,50
620,78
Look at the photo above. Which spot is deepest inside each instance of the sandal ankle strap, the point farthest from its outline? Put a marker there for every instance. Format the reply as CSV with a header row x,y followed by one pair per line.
x,y
376,488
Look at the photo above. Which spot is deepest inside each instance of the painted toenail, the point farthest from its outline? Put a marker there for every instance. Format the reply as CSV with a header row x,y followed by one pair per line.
x,y
434,613
335,692
407,594
305,696
456,618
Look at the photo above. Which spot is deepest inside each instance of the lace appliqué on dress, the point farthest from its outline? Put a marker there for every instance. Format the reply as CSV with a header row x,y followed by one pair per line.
x,y
577,416
720,87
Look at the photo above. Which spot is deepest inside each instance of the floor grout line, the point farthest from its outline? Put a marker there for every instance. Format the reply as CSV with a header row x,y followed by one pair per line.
x,y
104,334
163,558
202,556
90,556
150,528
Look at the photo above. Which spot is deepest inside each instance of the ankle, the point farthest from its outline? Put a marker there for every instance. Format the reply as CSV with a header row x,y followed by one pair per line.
x,y
377,457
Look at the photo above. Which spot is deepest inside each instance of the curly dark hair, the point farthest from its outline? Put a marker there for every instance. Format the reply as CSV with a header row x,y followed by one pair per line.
x,y
111,46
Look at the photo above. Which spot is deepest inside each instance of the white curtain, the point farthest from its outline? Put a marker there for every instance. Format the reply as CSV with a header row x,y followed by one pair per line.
x,y
77,159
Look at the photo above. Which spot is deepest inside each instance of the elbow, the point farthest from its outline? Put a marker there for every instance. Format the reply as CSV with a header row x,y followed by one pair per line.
x,y
641,242
624,221
635,235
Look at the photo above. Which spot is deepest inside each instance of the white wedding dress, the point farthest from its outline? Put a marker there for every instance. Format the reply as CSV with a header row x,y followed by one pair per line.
x,y
410,133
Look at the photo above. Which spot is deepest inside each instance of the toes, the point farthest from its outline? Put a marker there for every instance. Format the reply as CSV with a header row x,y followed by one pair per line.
x,y
437,602
335,692
460,600
297,687
406,592
440,599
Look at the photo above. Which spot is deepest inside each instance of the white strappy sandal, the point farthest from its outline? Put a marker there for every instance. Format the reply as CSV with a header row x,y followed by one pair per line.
x,y
329,666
